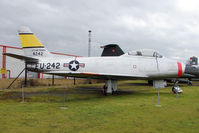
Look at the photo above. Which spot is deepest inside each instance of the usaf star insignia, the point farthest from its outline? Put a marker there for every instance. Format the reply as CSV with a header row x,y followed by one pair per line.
x,y
74,65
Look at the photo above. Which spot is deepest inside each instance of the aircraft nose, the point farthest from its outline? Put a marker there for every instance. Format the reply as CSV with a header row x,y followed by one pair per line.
x,y
181,68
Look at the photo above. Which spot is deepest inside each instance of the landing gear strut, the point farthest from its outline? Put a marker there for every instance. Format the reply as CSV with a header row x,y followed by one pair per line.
x,y
110,87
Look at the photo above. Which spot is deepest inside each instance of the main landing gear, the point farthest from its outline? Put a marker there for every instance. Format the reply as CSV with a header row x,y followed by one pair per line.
x,y
109,87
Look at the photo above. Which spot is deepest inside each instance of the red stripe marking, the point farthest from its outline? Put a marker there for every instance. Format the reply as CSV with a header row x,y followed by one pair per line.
x,y
91,73
179,69
4,61
38,75
10,47
65,54
50,52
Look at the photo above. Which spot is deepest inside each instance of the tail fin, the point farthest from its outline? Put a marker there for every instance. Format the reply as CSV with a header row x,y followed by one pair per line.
x,y
31,45
112,50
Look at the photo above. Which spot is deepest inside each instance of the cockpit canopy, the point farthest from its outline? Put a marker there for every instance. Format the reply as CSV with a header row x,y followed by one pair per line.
x,y
144,52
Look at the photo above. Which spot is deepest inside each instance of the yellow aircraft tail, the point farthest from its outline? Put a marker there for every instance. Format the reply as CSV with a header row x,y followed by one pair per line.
x,y
31,45
28,39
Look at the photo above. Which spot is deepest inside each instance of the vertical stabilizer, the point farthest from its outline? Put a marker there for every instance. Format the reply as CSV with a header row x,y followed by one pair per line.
x,y
31,45
112,50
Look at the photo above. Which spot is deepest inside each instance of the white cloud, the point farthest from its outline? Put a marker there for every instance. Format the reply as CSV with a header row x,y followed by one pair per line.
x,y
132,22
188,5
160,21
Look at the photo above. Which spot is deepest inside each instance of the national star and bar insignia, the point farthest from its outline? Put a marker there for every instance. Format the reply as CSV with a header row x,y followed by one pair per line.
x,y
74,65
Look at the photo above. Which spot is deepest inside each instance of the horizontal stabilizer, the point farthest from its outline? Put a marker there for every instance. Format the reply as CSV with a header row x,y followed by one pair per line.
x,y
22,57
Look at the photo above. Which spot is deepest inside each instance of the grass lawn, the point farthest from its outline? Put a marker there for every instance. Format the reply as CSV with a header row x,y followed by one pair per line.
x,y
133,110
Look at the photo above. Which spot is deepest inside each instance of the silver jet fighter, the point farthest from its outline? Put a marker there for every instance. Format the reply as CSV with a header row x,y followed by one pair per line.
x,y
139,64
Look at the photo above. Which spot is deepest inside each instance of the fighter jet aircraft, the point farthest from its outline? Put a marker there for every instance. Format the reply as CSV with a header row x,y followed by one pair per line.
x,y
139,64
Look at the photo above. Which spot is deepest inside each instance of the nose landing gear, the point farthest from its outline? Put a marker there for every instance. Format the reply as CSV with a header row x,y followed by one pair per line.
x,y
109,87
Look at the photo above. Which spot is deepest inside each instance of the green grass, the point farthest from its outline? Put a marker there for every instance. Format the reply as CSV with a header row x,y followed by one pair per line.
x,y
89,112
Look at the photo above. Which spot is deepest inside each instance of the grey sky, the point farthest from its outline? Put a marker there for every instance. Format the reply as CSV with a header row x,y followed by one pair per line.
x,y
171,26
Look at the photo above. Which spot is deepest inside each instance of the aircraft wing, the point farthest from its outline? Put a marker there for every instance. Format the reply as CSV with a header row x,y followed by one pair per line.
x,y
97,75
22,57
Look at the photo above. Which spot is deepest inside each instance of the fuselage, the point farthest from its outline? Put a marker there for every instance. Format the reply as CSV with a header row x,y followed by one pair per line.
x,y
129,66
139,64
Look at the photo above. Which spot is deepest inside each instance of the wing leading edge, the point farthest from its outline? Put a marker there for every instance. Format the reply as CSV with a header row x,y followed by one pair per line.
x,y
96,75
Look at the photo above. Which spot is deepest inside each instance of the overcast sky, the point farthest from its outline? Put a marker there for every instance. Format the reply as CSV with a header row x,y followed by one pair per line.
x,y
168,26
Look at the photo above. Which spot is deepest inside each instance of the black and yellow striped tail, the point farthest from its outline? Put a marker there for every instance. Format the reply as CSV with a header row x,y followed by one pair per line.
x,y
32,47
28,39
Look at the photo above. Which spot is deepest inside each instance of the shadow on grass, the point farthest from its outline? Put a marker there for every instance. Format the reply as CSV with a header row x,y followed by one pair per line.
x,y
74,94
